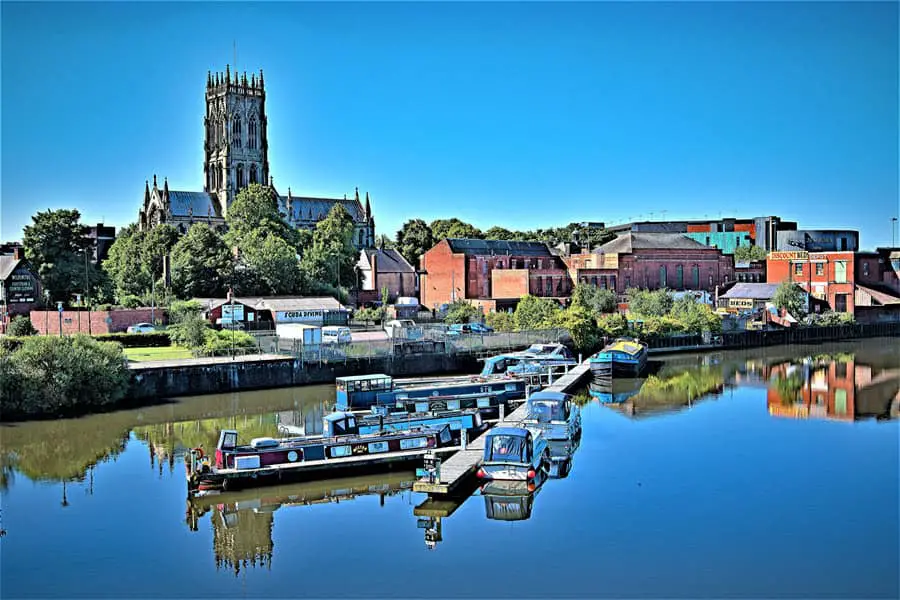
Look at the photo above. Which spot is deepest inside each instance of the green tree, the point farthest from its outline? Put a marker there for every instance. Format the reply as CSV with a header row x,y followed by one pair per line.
x,y
413,240
613,325
255,208
462,312
157,243
201,264
500,233
125,265
55,245
501,321
656,303
582,326
596,300
694,316
21,326
332,258
792,298
749,254
536,313
267,266
454,228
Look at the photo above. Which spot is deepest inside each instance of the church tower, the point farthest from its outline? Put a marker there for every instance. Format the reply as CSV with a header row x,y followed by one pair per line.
x,y
236,147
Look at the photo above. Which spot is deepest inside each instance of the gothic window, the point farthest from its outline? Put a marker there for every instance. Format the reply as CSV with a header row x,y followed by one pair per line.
x,y
251,134
253,174
360,238
221,180
240,176
236,132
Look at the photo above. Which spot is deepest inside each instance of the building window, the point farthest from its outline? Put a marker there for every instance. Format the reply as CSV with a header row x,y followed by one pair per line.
x,y
251,134
662,276
865,268
679,276
627,281
840,271
695,276
360,238
798,269
820,268
710,280
236,132
253,178
240,176
594,281
612,282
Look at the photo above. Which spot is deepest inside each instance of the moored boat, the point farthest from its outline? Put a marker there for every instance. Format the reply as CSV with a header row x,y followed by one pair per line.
x,y
268,460
381,419
625,356
355,393
534,359
514,453
554,414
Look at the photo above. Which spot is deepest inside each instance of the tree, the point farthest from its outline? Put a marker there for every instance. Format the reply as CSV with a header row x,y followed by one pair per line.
x,y
501,321
55,245
267,266
536,313
694,316
255,208
462,312
413,240
201,264
657,303
580,324
157,243
500,233
21,326
125,266
749,254
597,301
454,228
792,298
332,257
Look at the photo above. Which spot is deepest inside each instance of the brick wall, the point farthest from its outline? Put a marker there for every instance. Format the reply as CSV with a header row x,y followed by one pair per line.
x,y
94,322
443,270
643,269
509,283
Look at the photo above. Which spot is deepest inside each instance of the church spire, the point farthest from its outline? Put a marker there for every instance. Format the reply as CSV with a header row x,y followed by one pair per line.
x,y
357,194
146,192
368,207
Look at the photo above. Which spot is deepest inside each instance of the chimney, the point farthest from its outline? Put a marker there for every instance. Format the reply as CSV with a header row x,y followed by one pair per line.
x,y
374,279
18,253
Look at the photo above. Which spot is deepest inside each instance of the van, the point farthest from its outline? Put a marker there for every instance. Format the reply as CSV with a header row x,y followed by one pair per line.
x,y
334,334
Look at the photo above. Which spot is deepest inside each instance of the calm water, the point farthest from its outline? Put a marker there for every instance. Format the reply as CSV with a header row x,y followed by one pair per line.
x,y
766,474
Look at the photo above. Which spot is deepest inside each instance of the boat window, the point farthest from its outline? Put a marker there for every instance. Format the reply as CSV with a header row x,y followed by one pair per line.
x,y
506,447
529,450
375,447
340,386
338,451
409,444
229,440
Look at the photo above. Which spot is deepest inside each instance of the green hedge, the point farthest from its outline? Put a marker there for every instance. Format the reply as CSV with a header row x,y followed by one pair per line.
x,y
128,340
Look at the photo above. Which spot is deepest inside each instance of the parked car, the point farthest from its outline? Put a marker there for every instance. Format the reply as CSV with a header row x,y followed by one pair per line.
x,y
404,329
141,328
469,328
480,328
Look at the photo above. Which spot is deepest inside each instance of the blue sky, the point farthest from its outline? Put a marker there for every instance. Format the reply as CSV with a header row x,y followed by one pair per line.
x,y
518,114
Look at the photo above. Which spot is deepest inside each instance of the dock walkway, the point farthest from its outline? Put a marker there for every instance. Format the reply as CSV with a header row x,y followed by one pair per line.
x,y
462,465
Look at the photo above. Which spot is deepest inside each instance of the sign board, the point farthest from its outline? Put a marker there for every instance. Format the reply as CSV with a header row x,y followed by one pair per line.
x,y
795,255
300,316
232,312
21,288
740,303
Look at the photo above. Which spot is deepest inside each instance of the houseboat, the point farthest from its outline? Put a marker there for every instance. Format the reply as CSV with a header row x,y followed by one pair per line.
x,y
514,454
510,500
625,356
356,393
381,419
534,359
359,391
554,414
342,448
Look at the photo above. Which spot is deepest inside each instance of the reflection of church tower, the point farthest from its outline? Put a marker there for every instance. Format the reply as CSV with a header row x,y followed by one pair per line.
x,y
236,148
242,538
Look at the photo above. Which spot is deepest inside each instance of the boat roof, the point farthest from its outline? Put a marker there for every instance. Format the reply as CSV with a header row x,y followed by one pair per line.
x,y
337,415
549,396
627,346
518,431
363,377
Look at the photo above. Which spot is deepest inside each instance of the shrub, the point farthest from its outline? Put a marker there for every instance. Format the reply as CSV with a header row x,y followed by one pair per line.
x,y
216,341
613,325
581,325
657,303
462,312
21,326
597,300
132,301
58,376
500,321
190,331
535,313
182,309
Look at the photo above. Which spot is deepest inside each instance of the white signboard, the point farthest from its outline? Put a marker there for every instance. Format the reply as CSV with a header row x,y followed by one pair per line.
x,y
231,313
313,317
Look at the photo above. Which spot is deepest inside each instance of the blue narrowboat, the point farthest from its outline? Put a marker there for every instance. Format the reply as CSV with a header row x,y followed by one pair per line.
x,y
267,460
359,391
554,414
485,394
380,419
625,356
514,453
535,359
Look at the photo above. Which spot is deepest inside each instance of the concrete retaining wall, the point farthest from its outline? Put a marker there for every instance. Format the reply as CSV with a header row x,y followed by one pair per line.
x,y
195,379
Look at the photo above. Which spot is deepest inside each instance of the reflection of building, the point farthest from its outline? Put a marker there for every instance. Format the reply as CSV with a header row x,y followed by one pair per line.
x,y
308,422
242,539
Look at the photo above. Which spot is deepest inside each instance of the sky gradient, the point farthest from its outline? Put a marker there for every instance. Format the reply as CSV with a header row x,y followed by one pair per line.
x,y
516,114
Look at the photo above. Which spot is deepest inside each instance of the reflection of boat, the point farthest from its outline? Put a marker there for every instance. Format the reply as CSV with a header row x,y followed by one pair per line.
x,y
614,391
561,457
510,500
554,414
514,453
625,356
267,460
537,358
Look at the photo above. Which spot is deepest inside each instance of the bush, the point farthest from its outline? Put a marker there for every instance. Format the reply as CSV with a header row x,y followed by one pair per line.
x,y
536,313
21,326
597,300
581,325
216,341
155,339
614,325
190,331
132,301
829,319
10,343
182,309
462,312
60,376
657,303
500,321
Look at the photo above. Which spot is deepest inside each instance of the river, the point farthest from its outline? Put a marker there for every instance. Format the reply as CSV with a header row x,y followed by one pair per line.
x,y
769,473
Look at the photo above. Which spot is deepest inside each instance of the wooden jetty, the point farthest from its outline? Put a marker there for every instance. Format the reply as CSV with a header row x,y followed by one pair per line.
x,y
460,467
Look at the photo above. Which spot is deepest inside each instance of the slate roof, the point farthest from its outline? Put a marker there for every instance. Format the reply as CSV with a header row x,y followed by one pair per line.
x,y
497,247
276,303
316,209
8,264
389,261
198,204
754,291
632,240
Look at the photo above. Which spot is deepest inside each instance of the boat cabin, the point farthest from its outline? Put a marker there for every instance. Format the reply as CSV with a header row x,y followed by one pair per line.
x,y
514,454
360,391
340,423
547,407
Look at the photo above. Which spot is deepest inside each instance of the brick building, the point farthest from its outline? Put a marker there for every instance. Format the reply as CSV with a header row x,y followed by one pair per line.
x,y
826,276
494,274
385,268
659,260
20,287
726,233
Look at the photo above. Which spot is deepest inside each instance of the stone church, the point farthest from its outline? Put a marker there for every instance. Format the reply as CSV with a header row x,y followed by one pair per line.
x,y
236,155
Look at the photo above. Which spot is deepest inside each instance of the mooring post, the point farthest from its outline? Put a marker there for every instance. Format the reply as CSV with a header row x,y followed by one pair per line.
x,y
463,438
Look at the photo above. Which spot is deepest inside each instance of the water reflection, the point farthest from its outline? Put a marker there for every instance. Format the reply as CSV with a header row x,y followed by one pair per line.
x,y
242,522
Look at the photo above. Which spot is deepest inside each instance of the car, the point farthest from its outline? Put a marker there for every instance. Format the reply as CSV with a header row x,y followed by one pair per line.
x,y
141,328
469,328
480,328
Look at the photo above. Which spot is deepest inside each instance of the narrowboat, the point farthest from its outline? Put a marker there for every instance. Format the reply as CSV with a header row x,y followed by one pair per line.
x,y
265,461
511,500
359,391
355,393
554,414
625,356
535,358
514,453
381,419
